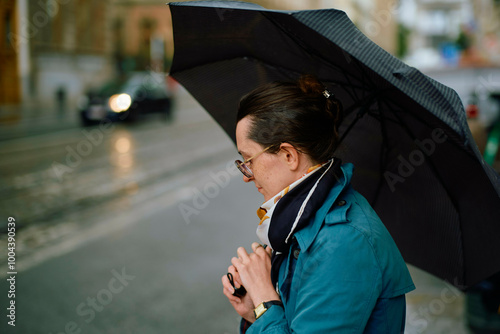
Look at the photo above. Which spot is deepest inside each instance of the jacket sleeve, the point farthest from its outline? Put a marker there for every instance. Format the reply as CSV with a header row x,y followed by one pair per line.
x,y
334,288
244,325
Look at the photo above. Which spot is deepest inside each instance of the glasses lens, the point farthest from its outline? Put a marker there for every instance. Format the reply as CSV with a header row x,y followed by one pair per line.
x,y
243,168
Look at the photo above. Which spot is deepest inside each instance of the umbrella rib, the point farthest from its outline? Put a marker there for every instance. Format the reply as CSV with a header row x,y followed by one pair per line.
x,y
355,97
434,171
385,119
431,164
439,123
363,102
365,75
308,50
362,111
358,64
383,153
453,202
352,92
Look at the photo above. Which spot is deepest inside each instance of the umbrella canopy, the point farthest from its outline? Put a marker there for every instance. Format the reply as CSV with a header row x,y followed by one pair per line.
x,y
407,135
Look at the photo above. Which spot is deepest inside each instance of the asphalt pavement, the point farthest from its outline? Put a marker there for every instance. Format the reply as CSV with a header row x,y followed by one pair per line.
x,y
148,270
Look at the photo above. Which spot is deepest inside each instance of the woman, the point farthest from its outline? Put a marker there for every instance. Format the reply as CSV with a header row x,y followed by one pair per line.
x,y
330,265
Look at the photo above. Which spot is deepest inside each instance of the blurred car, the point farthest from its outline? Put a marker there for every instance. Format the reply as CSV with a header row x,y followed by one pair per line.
x,y
126,98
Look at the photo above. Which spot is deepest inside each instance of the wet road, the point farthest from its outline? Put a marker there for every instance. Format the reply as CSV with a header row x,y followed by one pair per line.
x,y
129,229
45,177
147,270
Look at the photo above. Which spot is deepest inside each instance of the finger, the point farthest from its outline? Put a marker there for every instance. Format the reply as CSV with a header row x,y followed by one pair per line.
x,y
230,296
256,245
242,254
259,250
226,284
232,269
225,281
228,290
236,263
269,251
236,276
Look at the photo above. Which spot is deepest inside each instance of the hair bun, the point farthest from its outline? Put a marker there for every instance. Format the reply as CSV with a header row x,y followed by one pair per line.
x,y
310,85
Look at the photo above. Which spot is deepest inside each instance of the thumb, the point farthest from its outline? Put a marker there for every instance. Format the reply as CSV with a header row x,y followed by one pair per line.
x,y
269,251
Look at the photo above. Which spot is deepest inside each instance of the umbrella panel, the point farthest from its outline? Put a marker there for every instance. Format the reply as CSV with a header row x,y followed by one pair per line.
x,y
232,37
408,224
446,195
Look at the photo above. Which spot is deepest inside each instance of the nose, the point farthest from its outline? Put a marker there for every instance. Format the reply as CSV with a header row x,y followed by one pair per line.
x,y
247,179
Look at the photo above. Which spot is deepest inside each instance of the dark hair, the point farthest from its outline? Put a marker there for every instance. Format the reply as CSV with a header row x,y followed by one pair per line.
x,y
294,112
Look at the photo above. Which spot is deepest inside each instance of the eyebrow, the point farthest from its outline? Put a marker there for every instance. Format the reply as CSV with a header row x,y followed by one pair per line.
x,y
242,153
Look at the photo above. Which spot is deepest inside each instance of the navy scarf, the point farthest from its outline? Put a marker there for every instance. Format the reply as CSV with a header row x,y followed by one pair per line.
x,y
288,208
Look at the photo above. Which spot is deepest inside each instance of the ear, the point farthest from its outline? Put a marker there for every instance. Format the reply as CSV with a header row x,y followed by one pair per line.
x,y
290,155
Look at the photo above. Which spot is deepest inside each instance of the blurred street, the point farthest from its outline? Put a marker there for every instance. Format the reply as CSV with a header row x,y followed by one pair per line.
x,y
144,206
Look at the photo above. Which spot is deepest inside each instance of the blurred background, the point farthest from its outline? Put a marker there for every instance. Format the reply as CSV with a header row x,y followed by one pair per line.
x,y
126,203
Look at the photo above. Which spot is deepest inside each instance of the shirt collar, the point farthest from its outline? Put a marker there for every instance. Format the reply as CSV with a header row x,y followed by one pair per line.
x,y
266,206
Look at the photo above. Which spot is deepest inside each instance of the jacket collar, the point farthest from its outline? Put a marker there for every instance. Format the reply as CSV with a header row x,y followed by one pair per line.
x,y
306,236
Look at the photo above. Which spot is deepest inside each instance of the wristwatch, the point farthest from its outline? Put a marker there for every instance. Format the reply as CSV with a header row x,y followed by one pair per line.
x,y
264,306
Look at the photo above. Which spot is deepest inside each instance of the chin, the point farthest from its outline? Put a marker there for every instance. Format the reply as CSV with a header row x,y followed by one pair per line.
x,y
267,197
267,194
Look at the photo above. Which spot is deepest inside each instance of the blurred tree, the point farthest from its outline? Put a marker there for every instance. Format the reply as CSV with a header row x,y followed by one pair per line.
x,y
464,40
402,40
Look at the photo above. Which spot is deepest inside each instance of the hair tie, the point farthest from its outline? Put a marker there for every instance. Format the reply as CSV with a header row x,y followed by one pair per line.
x,y
327,94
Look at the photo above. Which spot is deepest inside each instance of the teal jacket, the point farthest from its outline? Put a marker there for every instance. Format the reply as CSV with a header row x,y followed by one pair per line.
x,y
344,273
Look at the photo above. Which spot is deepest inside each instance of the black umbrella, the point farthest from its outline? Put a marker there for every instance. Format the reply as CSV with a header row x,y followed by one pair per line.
x,y
406,134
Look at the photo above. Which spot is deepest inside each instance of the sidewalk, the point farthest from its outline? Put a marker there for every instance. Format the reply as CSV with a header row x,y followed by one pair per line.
x,y
28,119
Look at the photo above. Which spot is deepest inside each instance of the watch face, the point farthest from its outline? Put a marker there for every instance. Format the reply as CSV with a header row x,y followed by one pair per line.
x,y
259,310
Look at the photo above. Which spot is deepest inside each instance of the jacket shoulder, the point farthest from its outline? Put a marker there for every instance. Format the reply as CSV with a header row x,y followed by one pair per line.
x,y
354,220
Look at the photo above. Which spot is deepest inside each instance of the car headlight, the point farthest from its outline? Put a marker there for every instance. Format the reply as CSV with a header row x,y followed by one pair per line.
x,y
120,102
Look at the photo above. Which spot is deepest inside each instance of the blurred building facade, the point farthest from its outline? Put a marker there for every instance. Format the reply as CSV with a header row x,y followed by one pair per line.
x,y
377,19
487,34
143,35
443,33
54,49
71,48
450,33
9,80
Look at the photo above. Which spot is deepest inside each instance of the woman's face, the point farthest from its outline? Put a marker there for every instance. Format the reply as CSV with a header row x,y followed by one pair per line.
x,y
271,172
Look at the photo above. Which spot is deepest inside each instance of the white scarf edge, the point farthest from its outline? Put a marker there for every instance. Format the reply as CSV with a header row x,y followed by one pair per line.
x,y
302,207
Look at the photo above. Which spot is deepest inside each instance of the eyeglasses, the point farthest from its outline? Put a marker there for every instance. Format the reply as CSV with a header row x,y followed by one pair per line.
x,y
244,168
